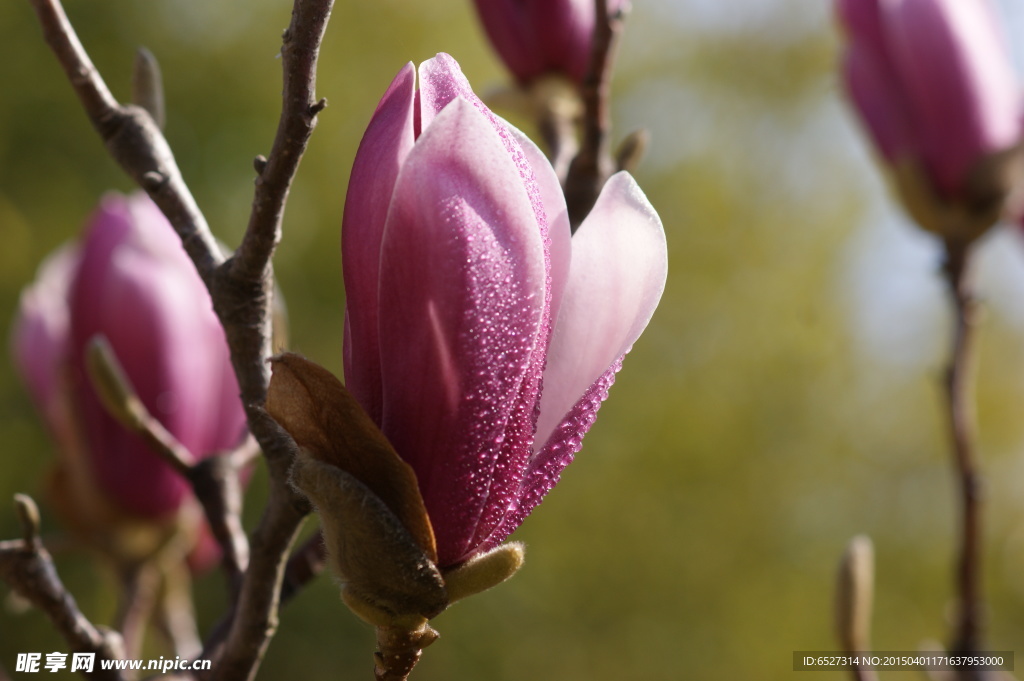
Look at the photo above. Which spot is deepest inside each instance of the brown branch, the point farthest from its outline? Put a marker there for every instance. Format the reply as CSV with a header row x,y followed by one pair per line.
x,y
133,139
299,52
593,165
255,617
959,385
139,586
241,287
254,621
28,568
303,566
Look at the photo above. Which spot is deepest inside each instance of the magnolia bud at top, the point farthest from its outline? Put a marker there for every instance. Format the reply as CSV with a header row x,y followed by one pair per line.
x,y
933,83
130,281
537,37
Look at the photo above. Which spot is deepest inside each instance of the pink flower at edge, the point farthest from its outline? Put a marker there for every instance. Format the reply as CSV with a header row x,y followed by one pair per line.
x,y
479,336
130,280
536,37
933,81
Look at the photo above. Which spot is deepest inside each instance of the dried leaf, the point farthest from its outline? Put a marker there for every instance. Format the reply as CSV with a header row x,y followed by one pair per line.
x,y
388,579
324,418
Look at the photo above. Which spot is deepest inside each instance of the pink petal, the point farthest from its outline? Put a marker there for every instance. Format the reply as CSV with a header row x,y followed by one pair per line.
x,y
535,37
385,145
513,35
137,287
441,82
862,22
619,265
953,59
881,102
617,276
39,340
463,302
553,200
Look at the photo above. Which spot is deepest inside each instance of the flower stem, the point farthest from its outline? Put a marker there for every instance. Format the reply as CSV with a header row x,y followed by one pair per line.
x,y
959,386
399,649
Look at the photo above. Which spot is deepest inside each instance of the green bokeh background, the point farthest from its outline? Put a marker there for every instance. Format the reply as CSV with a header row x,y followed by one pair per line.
x,y
753,430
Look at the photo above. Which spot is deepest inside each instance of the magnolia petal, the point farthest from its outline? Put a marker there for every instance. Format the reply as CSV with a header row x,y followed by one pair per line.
x,y
954,62
39,340
546,466
325,419
617,275
862,21
441,82
463,300
511,32
557,213
618,271
879,98
137,287
385,144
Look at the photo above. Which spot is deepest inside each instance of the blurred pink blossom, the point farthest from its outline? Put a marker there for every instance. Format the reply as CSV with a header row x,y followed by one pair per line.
x,y
535,37
933,82
480,336
130,280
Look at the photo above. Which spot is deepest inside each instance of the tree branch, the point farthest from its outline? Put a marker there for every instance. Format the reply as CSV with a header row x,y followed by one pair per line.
x,y
241,287
299,52
132,138
593,165
27,567
959,385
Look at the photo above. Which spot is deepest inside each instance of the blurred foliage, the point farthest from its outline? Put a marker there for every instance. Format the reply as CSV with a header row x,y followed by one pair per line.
x,y
751,433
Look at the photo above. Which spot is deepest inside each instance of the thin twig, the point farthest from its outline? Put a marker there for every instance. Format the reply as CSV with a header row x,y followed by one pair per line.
x,y
960,394
218,486
594,165
133,139
27,567
303,566
254,621
299,52
255,617
140,584
215,479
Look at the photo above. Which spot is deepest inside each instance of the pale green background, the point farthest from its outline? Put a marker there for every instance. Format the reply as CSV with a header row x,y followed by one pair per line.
x,y
783,399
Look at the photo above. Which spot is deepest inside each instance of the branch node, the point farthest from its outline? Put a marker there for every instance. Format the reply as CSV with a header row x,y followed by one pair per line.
x,y
259,164
153,180
28,515
148,86
318,107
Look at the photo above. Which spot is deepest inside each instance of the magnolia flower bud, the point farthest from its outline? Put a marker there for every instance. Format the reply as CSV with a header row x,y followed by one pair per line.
x,y
933,82
536,37
129,281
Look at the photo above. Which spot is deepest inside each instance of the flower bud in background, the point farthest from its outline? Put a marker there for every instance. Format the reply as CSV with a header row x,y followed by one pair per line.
x,y
480,340
933,83
129,280
538,37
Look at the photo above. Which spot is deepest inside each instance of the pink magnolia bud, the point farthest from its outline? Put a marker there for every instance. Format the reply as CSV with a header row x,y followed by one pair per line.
x,y
480,337
535,37
933,82
129,280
